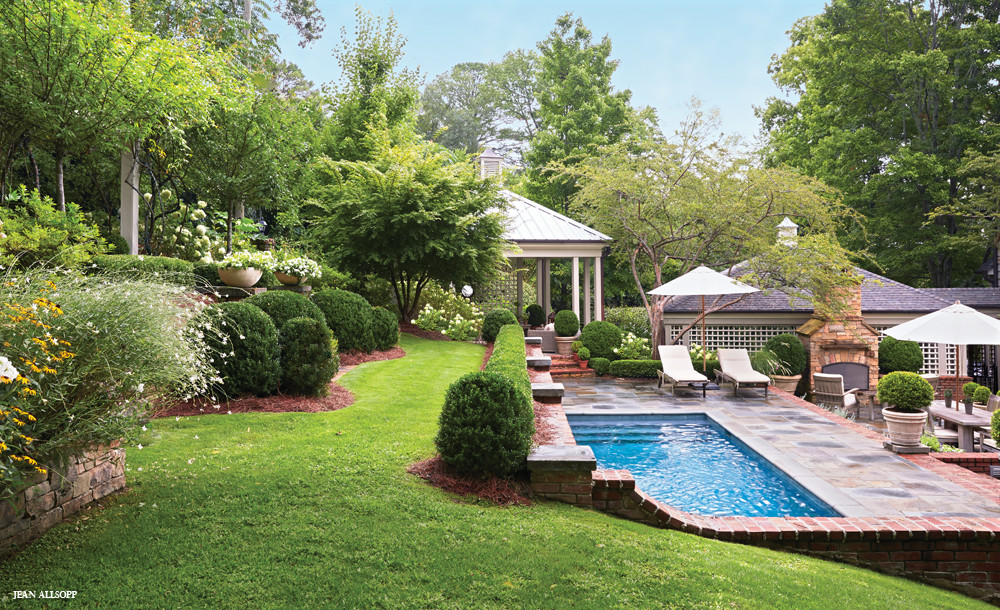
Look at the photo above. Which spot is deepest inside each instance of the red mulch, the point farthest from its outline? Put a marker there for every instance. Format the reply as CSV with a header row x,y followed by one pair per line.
x,y
486,356
503,492
353,358
416,331
337,399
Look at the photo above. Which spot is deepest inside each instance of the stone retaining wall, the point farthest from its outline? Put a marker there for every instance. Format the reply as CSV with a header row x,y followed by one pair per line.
x,y
63,491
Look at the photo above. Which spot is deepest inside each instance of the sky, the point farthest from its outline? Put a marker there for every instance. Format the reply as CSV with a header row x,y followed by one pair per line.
x,y
669,51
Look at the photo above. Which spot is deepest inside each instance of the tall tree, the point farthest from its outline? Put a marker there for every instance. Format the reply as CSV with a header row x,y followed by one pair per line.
x,y
892,95
579,111
458,109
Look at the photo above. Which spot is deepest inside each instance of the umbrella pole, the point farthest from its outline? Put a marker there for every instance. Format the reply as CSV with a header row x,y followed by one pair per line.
x,y
958,370
704,349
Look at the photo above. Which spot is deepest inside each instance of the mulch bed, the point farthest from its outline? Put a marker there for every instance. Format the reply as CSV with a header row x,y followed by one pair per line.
x,y
416,331
546,433
355,357
503,492
337,399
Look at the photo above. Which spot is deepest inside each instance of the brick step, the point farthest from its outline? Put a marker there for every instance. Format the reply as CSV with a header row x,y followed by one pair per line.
x,y
576,372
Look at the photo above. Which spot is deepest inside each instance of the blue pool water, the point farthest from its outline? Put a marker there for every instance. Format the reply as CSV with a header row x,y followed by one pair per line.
x,y
695,465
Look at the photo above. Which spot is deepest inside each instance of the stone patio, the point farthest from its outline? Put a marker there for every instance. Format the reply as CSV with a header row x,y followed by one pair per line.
x,y
841,462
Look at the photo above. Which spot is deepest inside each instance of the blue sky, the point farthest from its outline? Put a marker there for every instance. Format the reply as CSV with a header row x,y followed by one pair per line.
x,y
669,51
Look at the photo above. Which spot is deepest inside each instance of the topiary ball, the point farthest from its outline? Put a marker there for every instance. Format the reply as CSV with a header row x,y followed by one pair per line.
x,y
248,348
601,338
307,360
567,324
969,389
283,305
601,366
536,316
584,353
485,426
789,351
982,395
895,355
905,391
349,317
385,329
493,321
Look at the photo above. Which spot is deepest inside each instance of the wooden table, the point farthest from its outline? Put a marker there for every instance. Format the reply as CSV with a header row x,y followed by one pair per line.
x,y
967,424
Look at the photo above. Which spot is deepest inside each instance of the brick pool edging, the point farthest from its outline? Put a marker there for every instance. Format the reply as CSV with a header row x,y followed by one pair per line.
x,y
957,553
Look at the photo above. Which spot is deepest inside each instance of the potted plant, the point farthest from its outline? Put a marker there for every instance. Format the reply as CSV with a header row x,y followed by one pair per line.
x,y
536,317
969,393
567,325
583,355
981,397
906,396
947,399
243,269
294,271
790,354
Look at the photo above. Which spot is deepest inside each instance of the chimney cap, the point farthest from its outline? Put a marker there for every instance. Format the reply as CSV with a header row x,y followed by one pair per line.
x,y
787,224
489,153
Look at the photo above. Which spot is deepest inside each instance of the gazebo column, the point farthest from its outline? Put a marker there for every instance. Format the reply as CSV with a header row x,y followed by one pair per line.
x,y
539,277
598,289
520,287
586,292
576,286
547,287
129,210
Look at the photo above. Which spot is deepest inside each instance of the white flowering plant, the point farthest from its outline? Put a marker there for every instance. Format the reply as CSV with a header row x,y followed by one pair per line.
x,y
301,267
460,329
633,348
249,259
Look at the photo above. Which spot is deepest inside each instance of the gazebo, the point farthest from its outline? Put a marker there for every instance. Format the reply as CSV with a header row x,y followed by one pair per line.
x,y
543,234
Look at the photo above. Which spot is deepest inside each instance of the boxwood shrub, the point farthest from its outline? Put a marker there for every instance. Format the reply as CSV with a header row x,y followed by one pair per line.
x,y
385,329
601,338
905,391
636,368
567,324
536,315
494,320
349,317
485,426
894,355
969,389
283,305
250,339
630,319
308,362
583,353
601,366
169,270
982,395
508,359
789,351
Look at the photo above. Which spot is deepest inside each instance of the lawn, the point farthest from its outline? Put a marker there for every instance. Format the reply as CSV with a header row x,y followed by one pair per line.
x,y
316,510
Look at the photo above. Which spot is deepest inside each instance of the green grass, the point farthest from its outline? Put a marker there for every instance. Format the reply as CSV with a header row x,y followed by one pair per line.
x,y
316,510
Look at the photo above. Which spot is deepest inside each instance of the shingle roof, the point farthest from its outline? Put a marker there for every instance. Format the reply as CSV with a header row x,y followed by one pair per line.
x,y
533,222
973,297
878,295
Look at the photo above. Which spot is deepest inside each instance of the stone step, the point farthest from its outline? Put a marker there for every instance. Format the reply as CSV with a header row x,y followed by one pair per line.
x,y
532,340
573,373
539,362
547,390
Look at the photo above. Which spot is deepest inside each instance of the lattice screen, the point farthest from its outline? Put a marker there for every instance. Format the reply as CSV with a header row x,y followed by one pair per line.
x,y
751,338
932,356
503,292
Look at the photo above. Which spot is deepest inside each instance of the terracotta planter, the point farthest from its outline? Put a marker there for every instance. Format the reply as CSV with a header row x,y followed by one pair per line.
x,y
583,364
787,383
288,280
564,345
239,278
904,428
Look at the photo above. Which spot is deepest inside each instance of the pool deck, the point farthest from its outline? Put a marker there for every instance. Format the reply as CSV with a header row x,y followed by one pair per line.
x,y
839,461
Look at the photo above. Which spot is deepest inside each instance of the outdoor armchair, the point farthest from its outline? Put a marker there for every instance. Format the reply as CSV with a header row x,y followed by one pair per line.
x,y
677,369
735,367
829,390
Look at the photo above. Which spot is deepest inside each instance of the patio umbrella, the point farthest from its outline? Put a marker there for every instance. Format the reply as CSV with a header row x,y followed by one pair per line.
x,y
701,282
955,324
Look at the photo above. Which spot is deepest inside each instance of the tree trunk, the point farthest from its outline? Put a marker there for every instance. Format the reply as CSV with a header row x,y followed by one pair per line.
x,y
229,228
60,189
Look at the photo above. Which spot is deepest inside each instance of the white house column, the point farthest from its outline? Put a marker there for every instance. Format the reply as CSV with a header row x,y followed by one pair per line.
x,y
576,286
598,289
539,273
586,292
129,209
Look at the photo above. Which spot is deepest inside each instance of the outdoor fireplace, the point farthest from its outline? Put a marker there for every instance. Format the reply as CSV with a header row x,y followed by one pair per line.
x,y
855,375
846,346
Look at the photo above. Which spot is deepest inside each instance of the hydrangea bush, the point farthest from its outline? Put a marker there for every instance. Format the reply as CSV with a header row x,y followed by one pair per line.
x,y
247,259
633,348
300,267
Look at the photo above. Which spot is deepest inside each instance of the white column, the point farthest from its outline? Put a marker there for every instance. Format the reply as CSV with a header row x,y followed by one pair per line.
x,y
547,287
586,292
539,272
576,286
129,207
943,354
598,289
520,287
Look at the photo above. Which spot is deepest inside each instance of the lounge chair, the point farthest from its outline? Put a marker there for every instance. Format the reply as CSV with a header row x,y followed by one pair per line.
x,y
829,390
736,368
677,369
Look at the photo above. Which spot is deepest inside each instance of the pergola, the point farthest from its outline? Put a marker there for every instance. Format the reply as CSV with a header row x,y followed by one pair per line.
x,y
544,234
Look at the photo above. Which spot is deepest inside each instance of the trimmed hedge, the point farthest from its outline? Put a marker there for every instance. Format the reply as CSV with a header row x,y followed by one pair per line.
x,y
251,344
169,270
508,359
494,320
283,305
894,355
630,320
789,351
536,315
349,317
385,329
601,338
567,324
601,366
308,362
485,425
636,368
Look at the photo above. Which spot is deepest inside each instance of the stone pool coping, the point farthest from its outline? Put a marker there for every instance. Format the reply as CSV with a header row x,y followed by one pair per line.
x,y
961,553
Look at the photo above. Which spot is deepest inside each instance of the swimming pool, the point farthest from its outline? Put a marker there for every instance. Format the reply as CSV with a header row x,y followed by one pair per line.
x,y
693,464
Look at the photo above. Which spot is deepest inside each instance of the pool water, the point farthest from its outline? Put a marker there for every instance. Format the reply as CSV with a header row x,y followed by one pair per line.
x,y
695,465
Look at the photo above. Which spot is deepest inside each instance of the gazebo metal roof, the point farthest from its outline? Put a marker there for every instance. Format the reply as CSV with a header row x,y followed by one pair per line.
x,y
531,222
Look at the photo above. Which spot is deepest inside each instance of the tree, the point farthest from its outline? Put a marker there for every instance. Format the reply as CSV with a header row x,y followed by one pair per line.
x,y
458,109
578,111
892,95
409,216
694,201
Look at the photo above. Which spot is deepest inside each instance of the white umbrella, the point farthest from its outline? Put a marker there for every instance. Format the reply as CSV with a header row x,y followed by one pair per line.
x,y
702,281
955,324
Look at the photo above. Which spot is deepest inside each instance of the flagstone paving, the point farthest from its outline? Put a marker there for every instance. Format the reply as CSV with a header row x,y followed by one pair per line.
x,y
848,470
